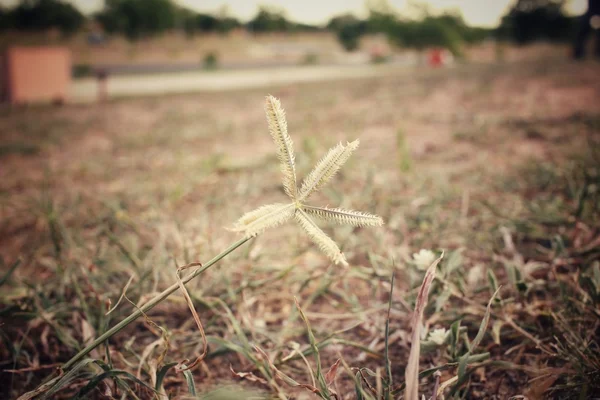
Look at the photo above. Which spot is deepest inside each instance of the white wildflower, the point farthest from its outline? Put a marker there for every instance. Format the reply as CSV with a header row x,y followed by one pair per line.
x,y
438,336
423,259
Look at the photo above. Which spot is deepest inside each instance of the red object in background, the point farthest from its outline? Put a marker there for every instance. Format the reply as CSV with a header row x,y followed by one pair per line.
x,y
435,58
34,74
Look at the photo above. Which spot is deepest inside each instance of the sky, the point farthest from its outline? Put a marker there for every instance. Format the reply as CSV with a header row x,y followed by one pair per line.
x,y
475,12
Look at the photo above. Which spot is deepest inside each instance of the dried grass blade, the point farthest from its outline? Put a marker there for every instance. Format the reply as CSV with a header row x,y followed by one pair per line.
x,y
122,295
146,353
53,386
388,363
249,376
190,304
411,391
332,372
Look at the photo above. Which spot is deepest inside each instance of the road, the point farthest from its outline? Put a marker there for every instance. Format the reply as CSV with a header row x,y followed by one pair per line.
x,y
86,89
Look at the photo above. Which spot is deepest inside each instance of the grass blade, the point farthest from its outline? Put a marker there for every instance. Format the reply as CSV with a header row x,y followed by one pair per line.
x,y
463,361
150,304
10,271
160,375
411,391
388,364
58,383
189,378
313,343
95,381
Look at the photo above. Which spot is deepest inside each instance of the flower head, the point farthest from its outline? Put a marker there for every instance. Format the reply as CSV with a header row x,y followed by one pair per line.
x,y
272,215
438,336
423,259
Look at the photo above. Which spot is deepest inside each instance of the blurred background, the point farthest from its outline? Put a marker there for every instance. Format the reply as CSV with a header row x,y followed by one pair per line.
x,y
103,39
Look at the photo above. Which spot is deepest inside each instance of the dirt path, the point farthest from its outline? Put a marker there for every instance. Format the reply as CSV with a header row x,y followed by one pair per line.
x,y
86,89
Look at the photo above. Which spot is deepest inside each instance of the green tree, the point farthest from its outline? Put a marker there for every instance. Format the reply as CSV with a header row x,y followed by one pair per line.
x,y
448,31
5,19
138,18
531,20
269,19
434,32
382,16
348,30
206,23
39,15
226,21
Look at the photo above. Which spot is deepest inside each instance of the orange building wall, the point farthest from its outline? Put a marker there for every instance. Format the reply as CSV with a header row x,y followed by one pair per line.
x,y
38,74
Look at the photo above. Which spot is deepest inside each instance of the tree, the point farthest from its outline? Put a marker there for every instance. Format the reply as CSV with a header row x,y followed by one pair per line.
x,y
447,30
40,15
226,21
138,18
434,32
5,19
531,20
227,24
382,16
348,29
207,23
194,23
269,19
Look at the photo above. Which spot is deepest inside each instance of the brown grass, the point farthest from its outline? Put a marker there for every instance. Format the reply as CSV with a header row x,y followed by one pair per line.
x,y
499,177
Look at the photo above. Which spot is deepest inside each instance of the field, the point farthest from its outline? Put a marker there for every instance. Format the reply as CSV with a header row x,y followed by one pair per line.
x,y
238,47
495,165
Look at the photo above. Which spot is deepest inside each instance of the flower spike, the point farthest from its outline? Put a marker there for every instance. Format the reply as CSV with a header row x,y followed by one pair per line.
x,y
326,168
283,141
272,215
320,238
343,217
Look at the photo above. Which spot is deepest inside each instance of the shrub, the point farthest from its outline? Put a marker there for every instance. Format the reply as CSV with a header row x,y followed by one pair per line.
x,y
210,60
310,58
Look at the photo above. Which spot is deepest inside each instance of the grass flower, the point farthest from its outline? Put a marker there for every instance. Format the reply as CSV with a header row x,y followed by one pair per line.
x,y
272,215
423,259
438,336
255,222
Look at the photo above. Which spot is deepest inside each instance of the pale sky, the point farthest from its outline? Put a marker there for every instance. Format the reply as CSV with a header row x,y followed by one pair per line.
x,y
475,12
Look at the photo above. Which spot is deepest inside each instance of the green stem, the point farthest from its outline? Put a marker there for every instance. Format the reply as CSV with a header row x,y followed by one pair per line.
x,y
150,304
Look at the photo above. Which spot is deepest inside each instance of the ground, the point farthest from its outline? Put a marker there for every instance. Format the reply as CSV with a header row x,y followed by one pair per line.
x,y
496,165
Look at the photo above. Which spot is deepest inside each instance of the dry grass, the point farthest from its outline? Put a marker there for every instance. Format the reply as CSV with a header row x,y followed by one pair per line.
x,y
502,176
243,48
176,48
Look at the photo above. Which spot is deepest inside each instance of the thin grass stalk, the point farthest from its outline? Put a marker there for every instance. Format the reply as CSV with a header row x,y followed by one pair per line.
x,y
386,354
151,304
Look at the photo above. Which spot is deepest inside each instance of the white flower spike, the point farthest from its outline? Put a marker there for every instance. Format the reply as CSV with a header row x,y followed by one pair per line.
x,y
272,215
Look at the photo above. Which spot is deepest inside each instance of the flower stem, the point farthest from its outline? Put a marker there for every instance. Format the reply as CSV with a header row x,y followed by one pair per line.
x,y
150,304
